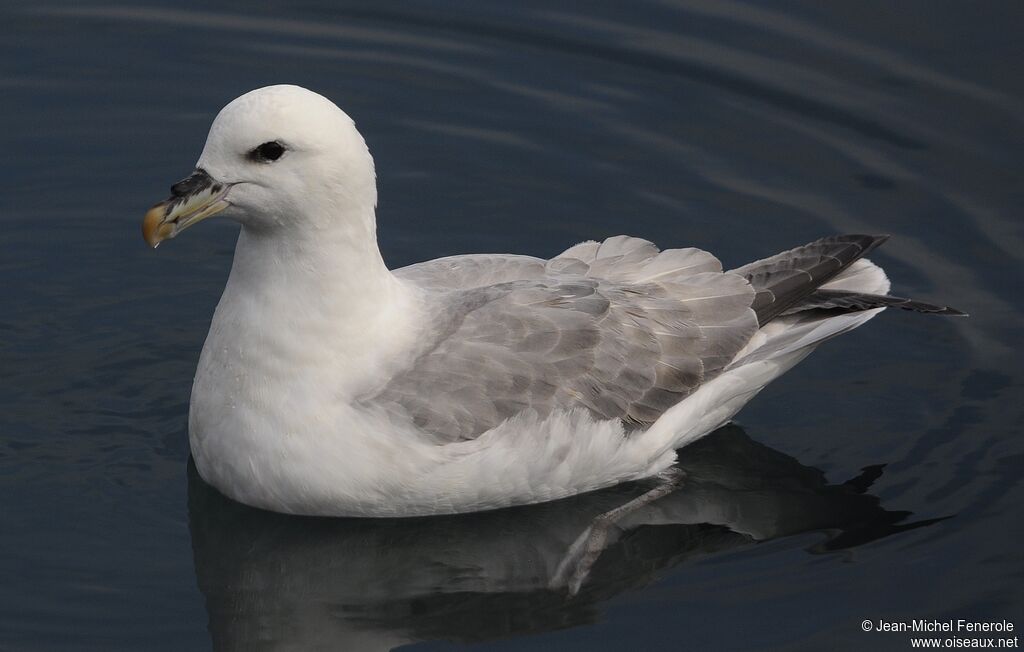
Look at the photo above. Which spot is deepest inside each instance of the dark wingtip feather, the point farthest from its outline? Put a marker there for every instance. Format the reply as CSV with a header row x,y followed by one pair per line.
x,y
937,310
929,308
787,278
875,241
844,301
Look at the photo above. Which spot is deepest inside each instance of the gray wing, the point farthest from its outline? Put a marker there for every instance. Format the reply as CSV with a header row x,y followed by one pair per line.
x,y
472,271
617,328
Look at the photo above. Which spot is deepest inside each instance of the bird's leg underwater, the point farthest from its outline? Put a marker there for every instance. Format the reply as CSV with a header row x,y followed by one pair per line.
x,y
574,568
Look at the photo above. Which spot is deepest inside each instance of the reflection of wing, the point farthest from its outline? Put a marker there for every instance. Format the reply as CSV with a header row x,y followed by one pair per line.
x,y
762,493
278,582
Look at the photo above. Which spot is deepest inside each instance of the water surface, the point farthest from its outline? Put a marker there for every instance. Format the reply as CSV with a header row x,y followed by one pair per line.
x,y
879,479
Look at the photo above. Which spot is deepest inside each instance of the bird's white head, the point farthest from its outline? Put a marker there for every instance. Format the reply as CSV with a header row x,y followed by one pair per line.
x,y
277,159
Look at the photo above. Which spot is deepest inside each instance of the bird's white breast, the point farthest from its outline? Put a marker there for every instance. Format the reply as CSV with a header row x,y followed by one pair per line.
x,y
273,421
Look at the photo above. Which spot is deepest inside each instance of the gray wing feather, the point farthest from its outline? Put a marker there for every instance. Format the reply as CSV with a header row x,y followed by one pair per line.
x,y
617,328
472,271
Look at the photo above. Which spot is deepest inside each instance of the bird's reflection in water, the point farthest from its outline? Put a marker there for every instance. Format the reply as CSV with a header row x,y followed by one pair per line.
x,y
277,582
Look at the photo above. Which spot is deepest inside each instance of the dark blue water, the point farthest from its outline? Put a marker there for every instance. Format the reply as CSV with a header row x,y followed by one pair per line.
x,y
879,479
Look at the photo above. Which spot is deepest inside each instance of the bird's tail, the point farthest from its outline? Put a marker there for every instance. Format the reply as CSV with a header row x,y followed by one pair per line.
x,y
797,281
815,292
805,296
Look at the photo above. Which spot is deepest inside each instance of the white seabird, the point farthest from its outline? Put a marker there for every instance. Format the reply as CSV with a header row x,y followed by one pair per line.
x,y
331,385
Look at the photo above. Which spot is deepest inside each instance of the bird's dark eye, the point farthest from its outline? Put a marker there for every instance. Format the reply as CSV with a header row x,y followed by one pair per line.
x,y
267,152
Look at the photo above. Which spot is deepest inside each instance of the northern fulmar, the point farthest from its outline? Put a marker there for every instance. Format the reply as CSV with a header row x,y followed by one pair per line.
x,y
331,385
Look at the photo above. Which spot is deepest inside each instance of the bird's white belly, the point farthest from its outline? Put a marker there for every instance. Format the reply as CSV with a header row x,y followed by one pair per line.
x,y
290,445
357,462
297,449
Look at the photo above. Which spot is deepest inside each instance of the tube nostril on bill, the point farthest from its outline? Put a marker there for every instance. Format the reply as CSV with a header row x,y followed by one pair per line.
x,y
197,181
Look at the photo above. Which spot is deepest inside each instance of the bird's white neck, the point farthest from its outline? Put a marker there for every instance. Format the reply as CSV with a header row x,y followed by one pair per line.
x,y
336,270
323,296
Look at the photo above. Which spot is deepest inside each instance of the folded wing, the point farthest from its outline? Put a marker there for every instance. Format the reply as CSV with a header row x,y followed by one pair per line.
x,y
615,328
